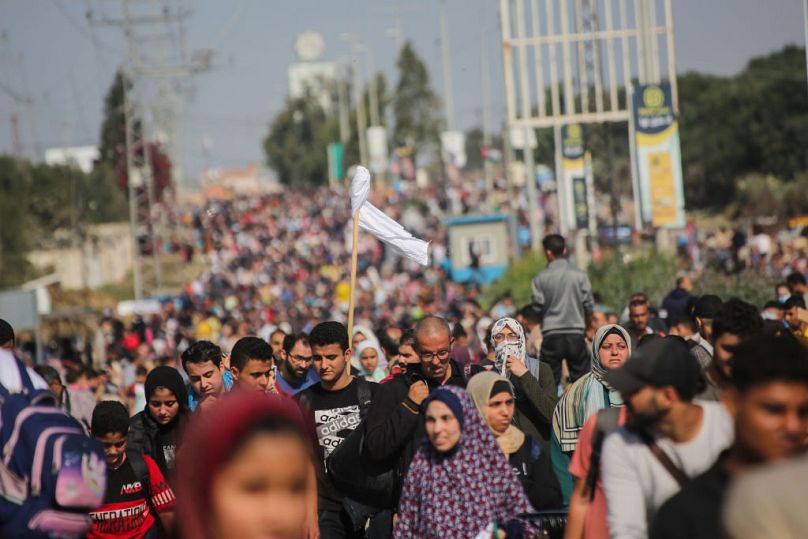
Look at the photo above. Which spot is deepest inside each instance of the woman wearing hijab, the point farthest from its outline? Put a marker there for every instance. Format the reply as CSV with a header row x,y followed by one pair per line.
x,y
156,430
535,388
361,334
459,484
246,470
368,361
494,397
590,393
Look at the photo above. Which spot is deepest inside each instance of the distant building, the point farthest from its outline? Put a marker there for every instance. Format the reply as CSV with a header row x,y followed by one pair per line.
x,y
317,76
226,182
104,256
83,157
309,72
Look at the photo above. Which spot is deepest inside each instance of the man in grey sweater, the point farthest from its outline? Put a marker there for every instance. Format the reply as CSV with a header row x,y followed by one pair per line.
x,y
563,293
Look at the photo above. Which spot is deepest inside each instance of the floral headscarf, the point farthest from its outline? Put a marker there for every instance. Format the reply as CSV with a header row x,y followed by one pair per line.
x,y
460,493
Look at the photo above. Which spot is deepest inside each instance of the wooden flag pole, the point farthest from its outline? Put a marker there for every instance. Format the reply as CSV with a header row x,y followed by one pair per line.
x,y
351,301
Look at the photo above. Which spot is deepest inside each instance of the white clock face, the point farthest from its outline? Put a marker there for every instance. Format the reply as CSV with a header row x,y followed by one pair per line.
x,y
309,46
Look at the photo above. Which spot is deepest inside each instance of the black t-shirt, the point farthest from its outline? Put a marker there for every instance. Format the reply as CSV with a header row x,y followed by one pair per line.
x,y
165,452
336,414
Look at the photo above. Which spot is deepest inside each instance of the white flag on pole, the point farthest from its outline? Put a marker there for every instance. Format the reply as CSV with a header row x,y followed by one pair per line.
x,y
373,220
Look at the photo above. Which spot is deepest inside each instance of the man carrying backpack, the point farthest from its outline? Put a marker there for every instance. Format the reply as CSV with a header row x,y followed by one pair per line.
x,y
336,403
137,493
52,474
669,437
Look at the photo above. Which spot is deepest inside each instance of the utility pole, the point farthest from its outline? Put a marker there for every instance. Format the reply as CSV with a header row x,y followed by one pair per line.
x,y
805,26
372,90
448,101
16,143
360,113
168,68
361,121
486,105
131,172
344,109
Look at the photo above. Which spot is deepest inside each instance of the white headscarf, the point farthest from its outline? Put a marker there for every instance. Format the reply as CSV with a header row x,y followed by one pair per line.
x,y
356,364
507,348
367,332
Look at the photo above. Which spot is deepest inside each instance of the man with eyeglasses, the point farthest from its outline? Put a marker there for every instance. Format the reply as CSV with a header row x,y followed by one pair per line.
x,y
395,422
295,373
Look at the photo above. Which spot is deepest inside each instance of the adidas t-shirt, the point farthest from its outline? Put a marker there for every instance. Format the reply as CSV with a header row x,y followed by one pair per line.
x,y
126,514
336,414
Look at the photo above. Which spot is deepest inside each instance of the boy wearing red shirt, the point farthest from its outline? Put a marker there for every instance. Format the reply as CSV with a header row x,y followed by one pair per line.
x,y
136,492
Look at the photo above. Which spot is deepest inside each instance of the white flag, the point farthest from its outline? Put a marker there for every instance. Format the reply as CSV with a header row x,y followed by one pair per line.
x,y
380,225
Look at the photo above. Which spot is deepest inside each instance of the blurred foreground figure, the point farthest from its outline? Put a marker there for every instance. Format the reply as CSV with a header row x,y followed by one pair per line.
x,y
769,502
244,470
669,437
768,400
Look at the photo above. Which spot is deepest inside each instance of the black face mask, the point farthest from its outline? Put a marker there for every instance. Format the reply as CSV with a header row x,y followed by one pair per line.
x,y
413,373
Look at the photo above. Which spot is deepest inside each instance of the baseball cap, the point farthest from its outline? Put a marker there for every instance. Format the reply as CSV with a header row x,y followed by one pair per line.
x,y
706,306
665,361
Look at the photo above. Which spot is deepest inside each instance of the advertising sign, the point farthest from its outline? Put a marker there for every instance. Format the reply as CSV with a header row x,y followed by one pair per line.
x,y
377,148
336,162
659,160
453,144
573,168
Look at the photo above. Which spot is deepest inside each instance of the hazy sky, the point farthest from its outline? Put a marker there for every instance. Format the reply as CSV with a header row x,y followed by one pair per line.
x,y
51,55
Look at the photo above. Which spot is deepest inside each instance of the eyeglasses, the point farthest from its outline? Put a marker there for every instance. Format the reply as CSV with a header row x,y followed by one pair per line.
x,y
512,337
429,356
305,359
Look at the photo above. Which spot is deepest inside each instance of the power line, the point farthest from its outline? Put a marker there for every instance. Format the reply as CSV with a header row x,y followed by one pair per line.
x,y
83,31
156,73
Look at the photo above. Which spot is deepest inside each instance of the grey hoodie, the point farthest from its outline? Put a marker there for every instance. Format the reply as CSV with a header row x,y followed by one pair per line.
x,y
564,295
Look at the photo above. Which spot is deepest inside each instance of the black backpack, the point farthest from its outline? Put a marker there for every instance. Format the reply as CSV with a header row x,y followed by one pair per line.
x,y
356,477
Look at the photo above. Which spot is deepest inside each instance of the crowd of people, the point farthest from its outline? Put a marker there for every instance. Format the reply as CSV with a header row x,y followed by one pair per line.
x,y
247,408
748,246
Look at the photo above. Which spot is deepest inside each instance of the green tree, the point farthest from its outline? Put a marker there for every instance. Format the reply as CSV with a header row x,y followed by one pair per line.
x,y
753,123
16,236
112,147
474,145
416,107
101,198
297,141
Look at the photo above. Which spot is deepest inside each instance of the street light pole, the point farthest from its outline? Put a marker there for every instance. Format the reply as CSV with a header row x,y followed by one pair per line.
x,y
360,113
486,95
448,101
805,25
361,121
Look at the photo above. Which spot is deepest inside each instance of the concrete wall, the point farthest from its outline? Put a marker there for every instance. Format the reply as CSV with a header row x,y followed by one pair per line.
x,y
105,257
